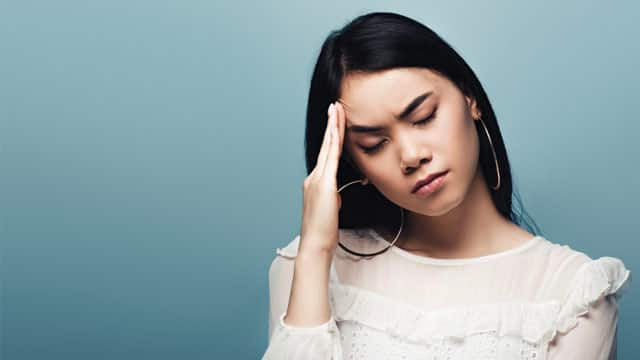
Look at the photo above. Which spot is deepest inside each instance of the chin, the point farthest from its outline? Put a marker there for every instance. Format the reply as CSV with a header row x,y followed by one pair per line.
x,y
440,204
433,211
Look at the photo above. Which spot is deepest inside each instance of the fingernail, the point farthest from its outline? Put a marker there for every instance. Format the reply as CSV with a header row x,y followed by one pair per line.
x,y
330,108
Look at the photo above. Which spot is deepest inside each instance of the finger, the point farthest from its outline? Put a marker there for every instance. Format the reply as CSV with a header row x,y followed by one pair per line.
x,y
339,132
332,137
342,120
331,164
322,155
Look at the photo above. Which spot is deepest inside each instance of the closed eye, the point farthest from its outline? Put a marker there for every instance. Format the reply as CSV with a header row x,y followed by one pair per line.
x,y
372,149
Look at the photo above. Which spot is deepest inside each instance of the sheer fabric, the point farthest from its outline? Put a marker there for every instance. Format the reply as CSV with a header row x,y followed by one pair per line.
x,y
539,300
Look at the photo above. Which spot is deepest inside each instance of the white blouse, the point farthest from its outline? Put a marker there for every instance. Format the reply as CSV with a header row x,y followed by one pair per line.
x,y
539,300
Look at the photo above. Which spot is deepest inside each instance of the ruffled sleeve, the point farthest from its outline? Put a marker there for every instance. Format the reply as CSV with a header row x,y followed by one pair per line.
x,y
320,342
286,341
586,324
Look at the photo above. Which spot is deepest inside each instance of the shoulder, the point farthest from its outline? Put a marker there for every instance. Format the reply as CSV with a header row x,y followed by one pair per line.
x,y
584,283
290,249
572,270
562,263
349,237
283,261
579,281
356,239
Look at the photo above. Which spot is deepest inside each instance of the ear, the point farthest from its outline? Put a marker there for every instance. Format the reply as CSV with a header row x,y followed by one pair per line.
x,y
473,108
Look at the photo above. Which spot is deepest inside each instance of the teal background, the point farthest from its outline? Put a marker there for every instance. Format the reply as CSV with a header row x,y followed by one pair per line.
x,y
152,156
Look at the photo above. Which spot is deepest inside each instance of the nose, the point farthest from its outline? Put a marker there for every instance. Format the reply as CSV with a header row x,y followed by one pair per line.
x,y
412,156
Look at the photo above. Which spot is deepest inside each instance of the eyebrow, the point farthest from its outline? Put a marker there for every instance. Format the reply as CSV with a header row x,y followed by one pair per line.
x,y
403,115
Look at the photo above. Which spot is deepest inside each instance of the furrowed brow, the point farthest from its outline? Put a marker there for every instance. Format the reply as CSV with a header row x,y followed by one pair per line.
x,y
402,116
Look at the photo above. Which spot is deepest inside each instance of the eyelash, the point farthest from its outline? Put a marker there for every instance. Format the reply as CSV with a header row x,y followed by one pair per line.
x,y
369,150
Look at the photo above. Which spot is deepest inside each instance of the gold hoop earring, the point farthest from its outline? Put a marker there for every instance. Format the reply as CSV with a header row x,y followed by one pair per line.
x,y
364,182
495,158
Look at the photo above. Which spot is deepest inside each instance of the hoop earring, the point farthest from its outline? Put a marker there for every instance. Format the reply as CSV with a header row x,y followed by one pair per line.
x,y
377,252
495,158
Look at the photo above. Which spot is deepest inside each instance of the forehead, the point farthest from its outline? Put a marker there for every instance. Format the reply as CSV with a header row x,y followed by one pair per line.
x,y
386,91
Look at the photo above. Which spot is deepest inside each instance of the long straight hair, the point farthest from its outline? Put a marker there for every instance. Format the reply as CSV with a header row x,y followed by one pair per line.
x,y
379,41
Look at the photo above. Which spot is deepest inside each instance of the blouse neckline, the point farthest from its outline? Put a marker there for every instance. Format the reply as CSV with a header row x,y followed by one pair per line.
x,y
458,261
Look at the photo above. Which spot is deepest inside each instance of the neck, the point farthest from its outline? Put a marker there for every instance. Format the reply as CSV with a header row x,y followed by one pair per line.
x,y
473,228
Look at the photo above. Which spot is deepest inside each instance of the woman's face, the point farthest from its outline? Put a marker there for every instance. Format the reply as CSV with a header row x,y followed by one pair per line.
x,y
406,150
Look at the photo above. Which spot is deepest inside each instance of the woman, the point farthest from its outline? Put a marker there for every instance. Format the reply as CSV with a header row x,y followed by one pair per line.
x,y
425,258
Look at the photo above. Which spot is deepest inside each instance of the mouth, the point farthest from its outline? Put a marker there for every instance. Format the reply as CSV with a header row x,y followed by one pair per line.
x,y
427,180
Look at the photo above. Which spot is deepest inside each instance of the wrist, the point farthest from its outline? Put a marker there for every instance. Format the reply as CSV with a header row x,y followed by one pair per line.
x,y
314,252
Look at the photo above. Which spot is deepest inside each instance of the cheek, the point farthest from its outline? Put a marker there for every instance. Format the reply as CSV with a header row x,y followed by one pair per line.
x,y
456,130
458,140
374,168
356,159
465,149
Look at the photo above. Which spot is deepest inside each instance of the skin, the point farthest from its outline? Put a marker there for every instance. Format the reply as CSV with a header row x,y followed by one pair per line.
x,y
457,221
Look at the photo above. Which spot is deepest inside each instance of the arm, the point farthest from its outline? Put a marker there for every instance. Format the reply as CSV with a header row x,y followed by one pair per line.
x,y
587,322
300,321
593,338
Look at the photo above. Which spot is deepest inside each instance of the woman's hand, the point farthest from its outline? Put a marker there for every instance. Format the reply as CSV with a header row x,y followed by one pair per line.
x,y
321,200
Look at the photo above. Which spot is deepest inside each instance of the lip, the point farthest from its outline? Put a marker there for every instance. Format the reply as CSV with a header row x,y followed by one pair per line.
x,y
427,180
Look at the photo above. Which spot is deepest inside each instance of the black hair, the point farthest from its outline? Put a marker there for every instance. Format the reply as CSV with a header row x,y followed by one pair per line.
x,y
379,41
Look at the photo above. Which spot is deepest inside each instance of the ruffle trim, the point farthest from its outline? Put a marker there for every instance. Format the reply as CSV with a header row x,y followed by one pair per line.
x,y
534,322
530,321
291,249
329,326
593,280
